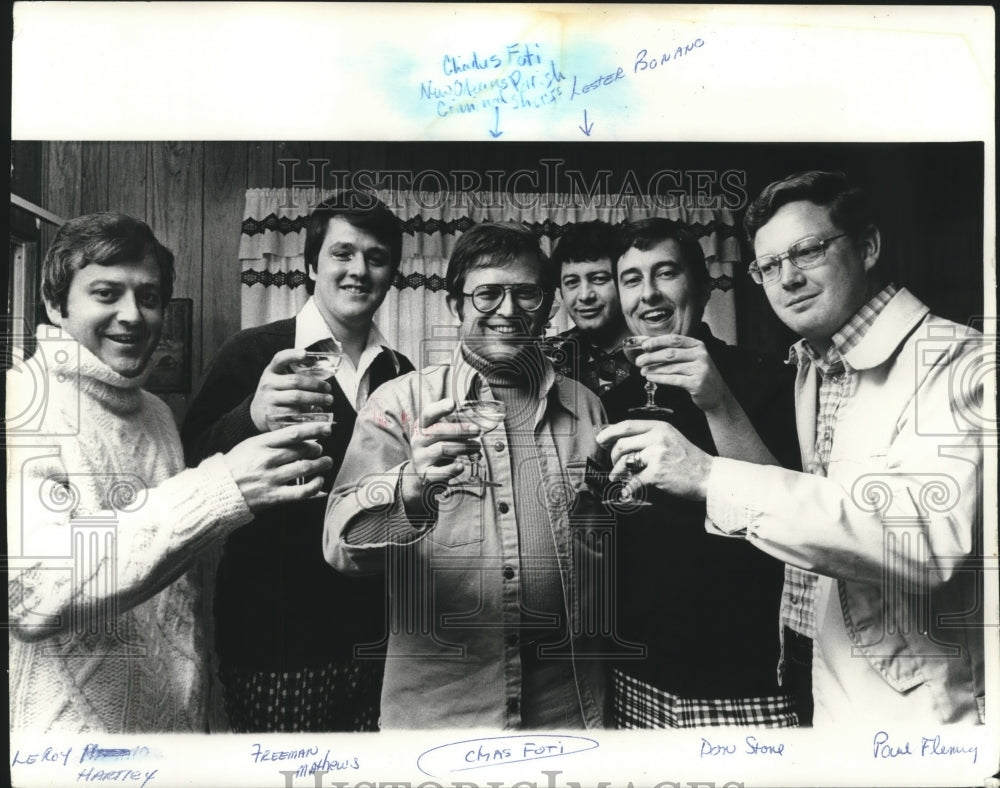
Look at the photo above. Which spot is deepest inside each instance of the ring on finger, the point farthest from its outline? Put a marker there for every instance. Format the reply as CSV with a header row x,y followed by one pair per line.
x,y
633,462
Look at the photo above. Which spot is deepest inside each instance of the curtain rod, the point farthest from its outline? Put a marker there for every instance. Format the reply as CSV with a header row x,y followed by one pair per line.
x,y
37,211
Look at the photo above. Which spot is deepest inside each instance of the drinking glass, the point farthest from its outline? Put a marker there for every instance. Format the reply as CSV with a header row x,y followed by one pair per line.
x,y
633,348
487,415
614,495
318,363
275,421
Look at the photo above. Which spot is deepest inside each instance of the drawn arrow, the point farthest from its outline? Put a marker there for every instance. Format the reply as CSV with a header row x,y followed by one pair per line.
x,y
586,128
495,131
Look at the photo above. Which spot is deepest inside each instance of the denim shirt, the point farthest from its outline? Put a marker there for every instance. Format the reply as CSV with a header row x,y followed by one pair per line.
x,y
898,520
455,634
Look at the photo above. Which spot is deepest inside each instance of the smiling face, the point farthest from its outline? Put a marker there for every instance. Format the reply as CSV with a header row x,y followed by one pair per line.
x,y
116,312
657,291
353,274
590,296
817,302
503,334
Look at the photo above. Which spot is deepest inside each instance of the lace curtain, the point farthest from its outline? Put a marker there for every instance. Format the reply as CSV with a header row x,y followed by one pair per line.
x,y
273,273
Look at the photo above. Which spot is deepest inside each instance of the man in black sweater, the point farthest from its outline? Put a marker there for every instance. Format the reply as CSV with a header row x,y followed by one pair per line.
x,y
299,643
706,608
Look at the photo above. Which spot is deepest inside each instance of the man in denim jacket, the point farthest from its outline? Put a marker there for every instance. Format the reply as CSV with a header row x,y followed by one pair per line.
x,y
881,532
492,553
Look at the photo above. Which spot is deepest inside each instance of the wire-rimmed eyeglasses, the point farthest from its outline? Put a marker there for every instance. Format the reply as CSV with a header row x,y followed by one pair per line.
x,y
805,253
487,298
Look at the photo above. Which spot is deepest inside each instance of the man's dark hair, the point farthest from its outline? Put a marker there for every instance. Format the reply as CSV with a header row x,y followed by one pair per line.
x,y
849,207
101,239
359,209
647,233
497,244
585,241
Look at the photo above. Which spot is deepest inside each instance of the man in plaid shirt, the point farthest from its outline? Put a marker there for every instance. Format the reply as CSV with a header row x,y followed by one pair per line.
x,y
881,530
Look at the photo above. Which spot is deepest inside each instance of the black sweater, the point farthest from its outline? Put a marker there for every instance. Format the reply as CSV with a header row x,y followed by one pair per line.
x,y
706,606
278,605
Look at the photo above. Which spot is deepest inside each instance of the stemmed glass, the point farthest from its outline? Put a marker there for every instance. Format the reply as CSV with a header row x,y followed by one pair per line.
x,y
487,415
318,363
613,496
633,349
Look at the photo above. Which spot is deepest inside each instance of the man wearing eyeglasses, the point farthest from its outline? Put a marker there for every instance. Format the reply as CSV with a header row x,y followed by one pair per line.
x,y
488,567
591,351
880,533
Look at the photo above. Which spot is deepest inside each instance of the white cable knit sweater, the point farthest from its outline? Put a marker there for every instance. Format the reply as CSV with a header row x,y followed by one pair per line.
x,y
107,639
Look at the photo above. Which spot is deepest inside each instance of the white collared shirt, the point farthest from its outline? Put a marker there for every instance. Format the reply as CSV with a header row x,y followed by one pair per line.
x,y
310,327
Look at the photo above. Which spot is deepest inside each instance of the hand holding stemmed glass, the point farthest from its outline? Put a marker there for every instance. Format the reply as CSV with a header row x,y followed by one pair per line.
x,y
621,491
633,348
486,414
293,389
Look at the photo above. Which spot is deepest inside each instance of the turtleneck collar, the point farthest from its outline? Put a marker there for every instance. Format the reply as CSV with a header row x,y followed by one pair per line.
x,y
69,362
528,373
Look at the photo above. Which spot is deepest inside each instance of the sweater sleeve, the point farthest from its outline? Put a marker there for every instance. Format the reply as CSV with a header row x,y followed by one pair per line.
x,y
76,565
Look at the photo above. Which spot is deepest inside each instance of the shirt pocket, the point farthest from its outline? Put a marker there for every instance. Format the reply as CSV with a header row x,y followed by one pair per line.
x,y
462,517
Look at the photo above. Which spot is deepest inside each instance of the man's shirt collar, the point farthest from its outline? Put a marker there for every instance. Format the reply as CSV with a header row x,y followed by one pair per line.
x,y
310,327
838,356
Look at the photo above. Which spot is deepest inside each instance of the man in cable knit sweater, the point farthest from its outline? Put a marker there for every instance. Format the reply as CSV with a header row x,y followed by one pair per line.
x,y
110,538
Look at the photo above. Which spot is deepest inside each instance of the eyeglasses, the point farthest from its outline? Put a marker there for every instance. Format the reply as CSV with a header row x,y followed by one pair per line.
x,y
487,298
805,253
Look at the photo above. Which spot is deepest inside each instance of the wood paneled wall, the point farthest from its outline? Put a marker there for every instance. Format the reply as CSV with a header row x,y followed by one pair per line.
x,y
192,195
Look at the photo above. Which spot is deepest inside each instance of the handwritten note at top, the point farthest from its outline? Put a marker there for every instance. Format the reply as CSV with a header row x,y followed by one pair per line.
x,y
521,76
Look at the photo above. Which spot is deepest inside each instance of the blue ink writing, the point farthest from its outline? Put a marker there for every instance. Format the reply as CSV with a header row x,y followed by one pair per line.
x,y
645,62
94,775
452,65
711,750
933,746
462,756
532,750
523,57
606,79
883,748
756,748
260,755
94,752
488,755
48,755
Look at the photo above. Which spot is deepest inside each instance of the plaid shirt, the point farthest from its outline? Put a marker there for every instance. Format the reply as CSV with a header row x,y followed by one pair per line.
x,y
641,705
838,382
575,357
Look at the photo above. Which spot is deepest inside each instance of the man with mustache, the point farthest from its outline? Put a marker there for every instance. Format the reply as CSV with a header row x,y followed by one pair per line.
x,y
591,352
283,669
881,532
487,609
704,608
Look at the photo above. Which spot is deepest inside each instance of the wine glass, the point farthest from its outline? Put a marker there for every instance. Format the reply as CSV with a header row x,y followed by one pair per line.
x,y
613,496
487,415
318,363
275,421
633,348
